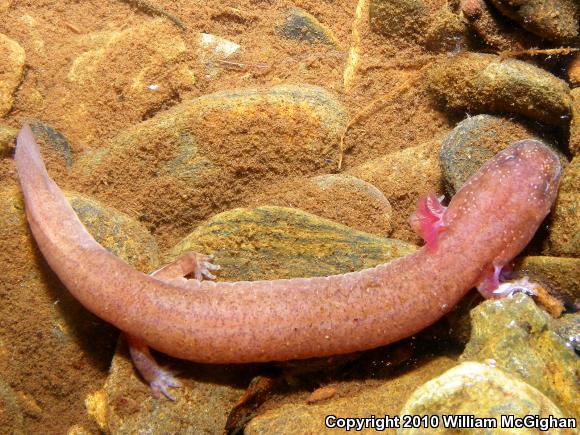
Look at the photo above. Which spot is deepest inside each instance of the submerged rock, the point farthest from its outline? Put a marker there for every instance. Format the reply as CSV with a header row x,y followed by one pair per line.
x,y
60,145
480,391
7,140
574,140
474,141
153,57
208,154
343,198
275,242
393,175
556,20
12,58
398,17
560,273
58,350
299,25
515,335
485,82
379,398
494,30
564,235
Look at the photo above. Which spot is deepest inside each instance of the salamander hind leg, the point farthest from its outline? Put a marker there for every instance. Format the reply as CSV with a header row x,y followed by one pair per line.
x,y
158,378
428,219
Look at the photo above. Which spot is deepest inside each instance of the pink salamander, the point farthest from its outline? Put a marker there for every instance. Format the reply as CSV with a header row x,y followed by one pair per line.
x,y
488,222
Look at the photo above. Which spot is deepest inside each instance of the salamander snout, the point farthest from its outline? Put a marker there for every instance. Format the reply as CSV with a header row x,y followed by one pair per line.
x,y
539,165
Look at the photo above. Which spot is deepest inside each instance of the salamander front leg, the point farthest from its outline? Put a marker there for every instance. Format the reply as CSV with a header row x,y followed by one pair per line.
x,y
158,378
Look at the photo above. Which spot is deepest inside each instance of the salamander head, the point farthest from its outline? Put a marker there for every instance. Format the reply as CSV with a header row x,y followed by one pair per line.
x,y
537,167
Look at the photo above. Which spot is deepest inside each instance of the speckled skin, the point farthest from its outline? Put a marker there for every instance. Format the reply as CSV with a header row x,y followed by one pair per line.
x,y
488,222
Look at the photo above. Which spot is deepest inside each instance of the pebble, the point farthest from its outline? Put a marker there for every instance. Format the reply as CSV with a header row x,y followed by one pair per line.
x,y
299,25
556,20
392,175
474,141
156,70
574,139
343,198
496,32
519,338
479,82
12,60
477,390
398,17
385,398
207,154
564,234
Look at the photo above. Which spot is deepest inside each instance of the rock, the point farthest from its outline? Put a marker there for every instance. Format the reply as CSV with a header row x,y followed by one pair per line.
x,y
12,414
561,273
153,57
480,391
208,154
401,18
494,30
447,31
58,351
474,141
556,20
7,140
249,244
126,405
568,327
484,82
515,335
299,25
12,58
343,198
395,175
386,398
276,242
574,140
574,70
564,234
60,145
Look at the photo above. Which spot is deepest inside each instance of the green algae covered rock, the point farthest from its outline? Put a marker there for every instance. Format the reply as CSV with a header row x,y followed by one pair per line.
x,y
275,242
515,335
480,82
299,25
561,273
480,391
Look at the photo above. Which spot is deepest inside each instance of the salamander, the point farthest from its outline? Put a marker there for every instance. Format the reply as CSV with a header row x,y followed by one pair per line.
x,y
486,224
